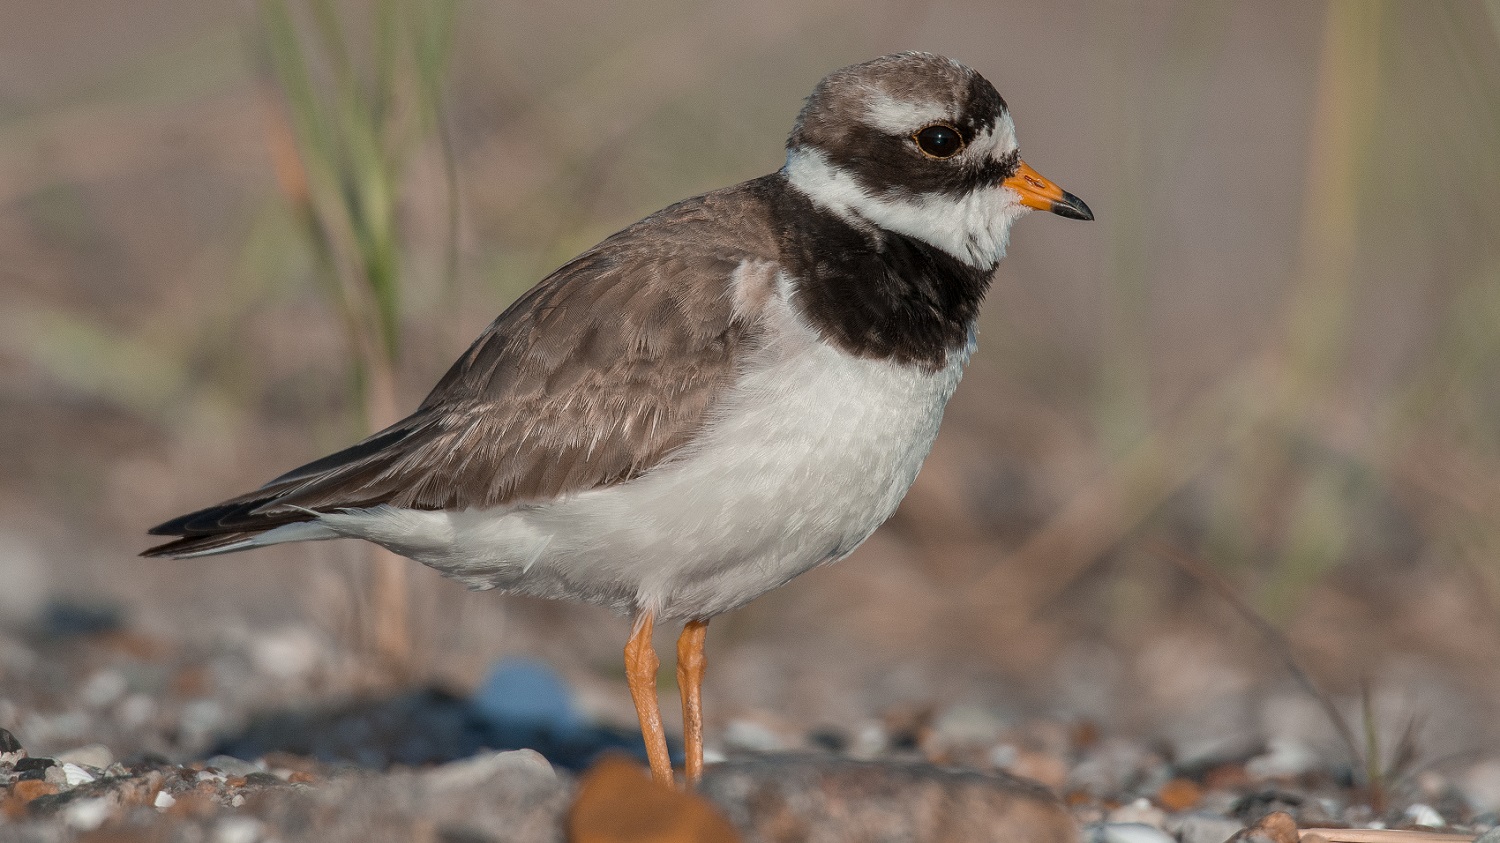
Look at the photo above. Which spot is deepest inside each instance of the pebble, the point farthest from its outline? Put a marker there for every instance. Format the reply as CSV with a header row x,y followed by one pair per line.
x,y
238,830
1202,828
1480,785
164,800
869,742
135,711
750,736
90,755
1125,833
291,652
87,814
472,771
967,725
1285,757
1139,812
528,694
231,766
103,688
74,775
1420,814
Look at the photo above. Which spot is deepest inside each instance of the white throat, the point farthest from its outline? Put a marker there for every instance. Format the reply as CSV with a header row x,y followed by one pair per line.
x,y
974,227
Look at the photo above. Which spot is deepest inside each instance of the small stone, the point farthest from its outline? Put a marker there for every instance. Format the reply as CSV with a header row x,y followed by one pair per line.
x,y
526,694
617,801
231,766
869,742
965,726
237,830
1179,795
103,688
1275,827
31,789
481,768
750,736
86,814
1125,833
1202,828
1286,758
291,652
54,775
75,775
1139,812
95,755
33,764
163,800
1480,785
1491,836
8,742
820,797
1420,814
135,711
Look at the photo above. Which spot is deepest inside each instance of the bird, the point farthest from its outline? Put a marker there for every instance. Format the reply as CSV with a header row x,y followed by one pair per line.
x,y
730,392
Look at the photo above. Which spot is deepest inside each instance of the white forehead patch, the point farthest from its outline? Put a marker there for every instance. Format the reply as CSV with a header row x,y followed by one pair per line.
x,y
900,117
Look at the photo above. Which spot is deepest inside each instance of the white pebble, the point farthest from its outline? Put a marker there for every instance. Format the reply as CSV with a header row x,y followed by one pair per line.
x,y
237,830
468,772
291,652
95,755
751,736
1139,812
164,800
135,711
1420,814
1125,833
86,814
238,801
103,688
1004,756
75,775
868,742
1287,757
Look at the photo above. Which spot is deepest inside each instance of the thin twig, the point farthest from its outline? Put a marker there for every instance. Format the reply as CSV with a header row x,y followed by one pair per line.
x,y
1197,569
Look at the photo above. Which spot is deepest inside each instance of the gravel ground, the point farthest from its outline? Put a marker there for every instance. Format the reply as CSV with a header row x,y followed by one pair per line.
x,y
111,735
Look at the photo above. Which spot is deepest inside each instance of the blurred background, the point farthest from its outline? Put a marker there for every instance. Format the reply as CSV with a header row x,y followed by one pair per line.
x,y
1249,414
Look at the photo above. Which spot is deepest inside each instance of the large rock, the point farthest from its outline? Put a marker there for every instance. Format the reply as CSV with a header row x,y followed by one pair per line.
x,y
818,799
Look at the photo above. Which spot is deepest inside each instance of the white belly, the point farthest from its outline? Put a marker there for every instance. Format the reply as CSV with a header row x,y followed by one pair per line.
x,y
810,451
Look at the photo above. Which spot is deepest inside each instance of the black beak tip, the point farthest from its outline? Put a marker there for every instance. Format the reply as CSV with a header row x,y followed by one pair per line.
x,y
1072,207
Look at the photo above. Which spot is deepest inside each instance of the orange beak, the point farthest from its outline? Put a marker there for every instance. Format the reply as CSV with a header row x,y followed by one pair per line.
x,y
1036,192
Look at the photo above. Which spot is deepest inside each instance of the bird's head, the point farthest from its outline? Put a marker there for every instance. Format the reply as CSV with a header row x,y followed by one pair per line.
x,y
920,145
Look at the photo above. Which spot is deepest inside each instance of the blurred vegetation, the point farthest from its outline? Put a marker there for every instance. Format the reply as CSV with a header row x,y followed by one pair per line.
x,y
354,119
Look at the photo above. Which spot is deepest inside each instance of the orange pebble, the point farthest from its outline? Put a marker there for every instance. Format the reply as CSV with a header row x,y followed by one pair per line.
x,y
1179,795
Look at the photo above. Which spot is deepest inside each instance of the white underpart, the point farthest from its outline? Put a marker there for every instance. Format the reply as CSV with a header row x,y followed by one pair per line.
x,y
974,227
807,454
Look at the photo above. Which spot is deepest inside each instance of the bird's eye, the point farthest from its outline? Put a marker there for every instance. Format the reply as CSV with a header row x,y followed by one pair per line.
x,y
939,141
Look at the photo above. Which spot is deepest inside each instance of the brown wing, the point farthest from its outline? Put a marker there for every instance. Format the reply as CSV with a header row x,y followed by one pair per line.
x,y
590,379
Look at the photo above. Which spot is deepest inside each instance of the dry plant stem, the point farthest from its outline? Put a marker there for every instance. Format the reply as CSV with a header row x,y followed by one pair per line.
x,y
390,593
1199,571
690,666
641,665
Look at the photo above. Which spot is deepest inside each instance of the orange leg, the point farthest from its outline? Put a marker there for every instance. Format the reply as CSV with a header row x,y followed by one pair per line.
x,y
690,665
640,671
